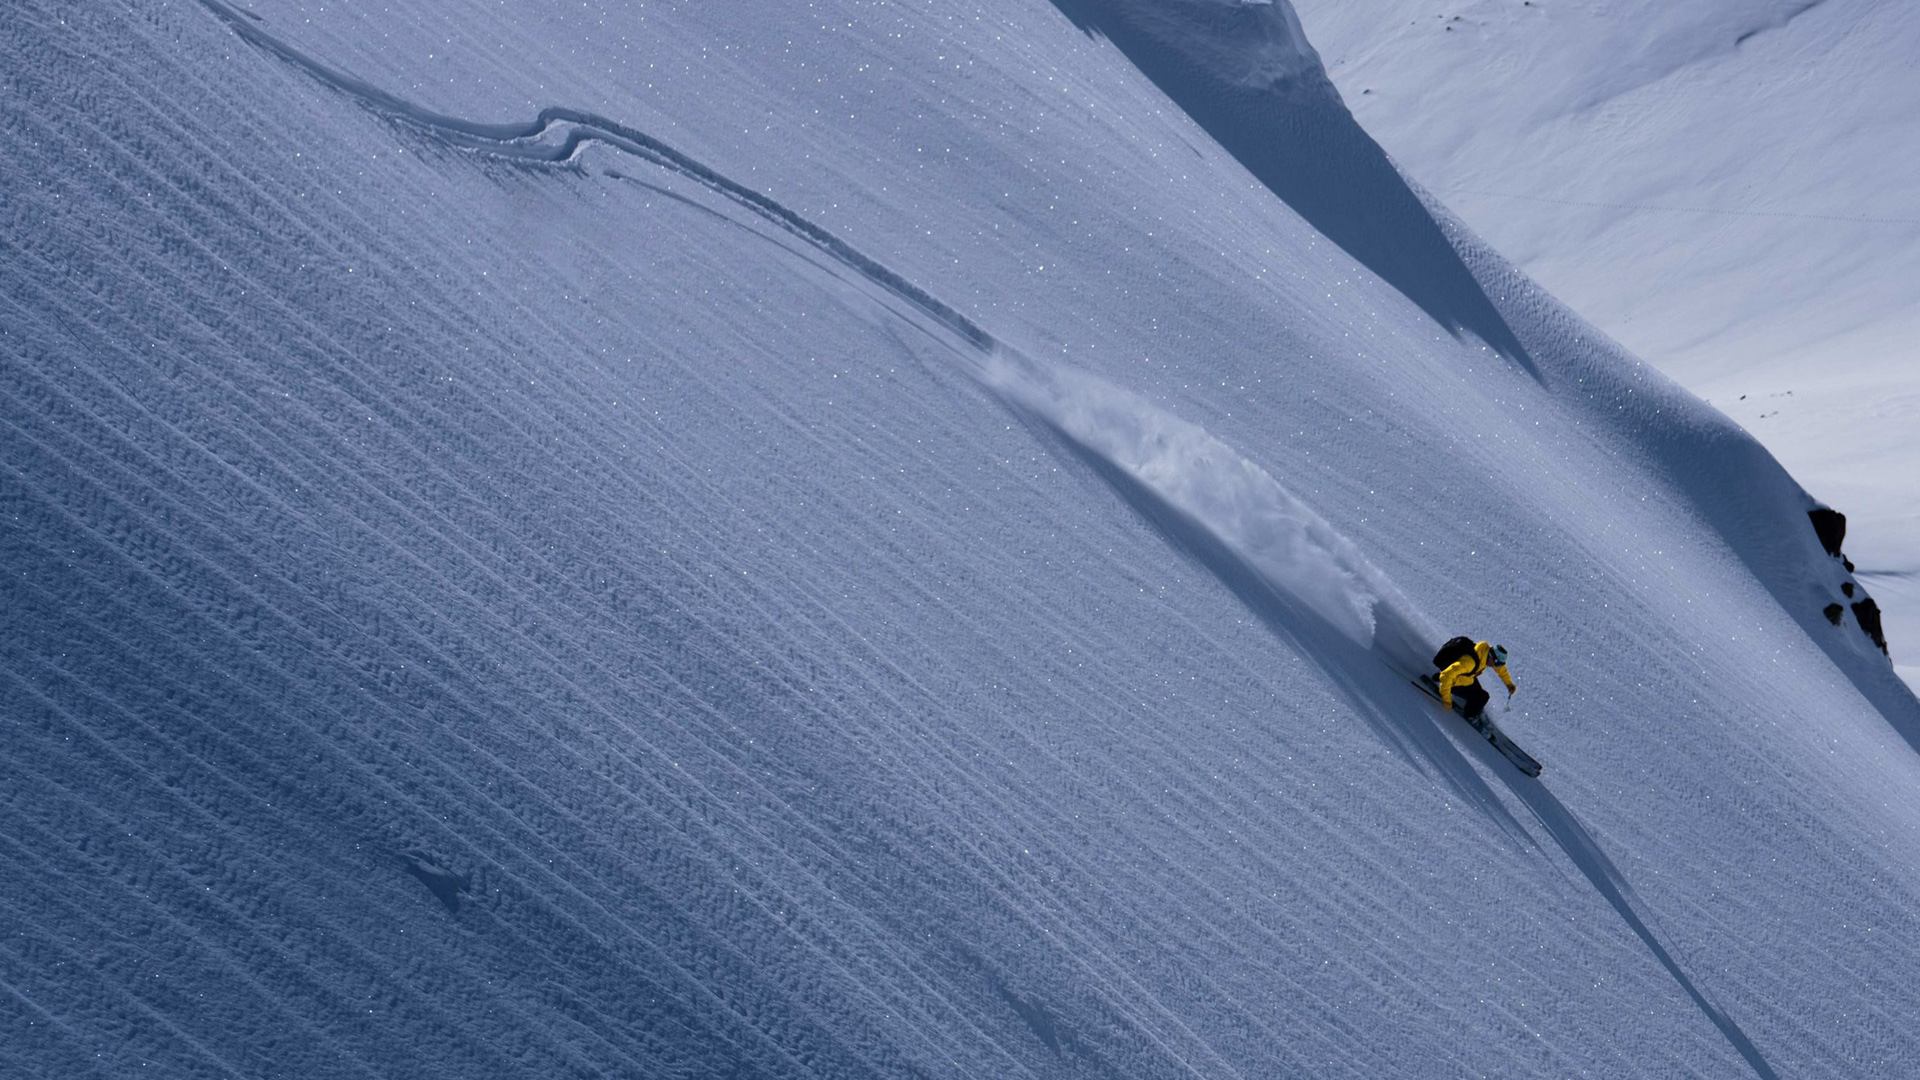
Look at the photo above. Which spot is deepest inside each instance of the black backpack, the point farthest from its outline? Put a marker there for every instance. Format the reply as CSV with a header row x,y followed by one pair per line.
x,y
1454,649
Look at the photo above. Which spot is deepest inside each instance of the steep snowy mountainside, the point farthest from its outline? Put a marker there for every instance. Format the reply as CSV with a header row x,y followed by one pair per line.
x,y
869,540
1721,187
1743,160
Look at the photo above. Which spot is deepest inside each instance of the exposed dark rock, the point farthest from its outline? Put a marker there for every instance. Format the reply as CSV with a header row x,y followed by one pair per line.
x,y
1868,613
1833,613
1847,588
1831,526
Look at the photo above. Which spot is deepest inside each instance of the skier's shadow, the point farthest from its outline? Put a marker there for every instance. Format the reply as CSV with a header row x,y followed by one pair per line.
x,y
1399,715
1585,853
1410,723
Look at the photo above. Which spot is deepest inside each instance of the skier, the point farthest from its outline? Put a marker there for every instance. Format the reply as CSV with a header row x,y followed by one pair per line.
x,y
1461,661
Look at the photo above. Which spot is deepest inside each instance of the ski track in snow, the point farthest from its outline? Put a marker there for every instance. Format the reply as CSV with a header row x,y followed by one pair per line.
x,y
556,136
1260,540
1270,548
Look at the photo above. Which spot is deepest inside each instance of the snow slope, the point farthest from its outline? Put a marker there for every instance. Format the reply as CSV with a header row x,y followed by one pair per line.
x,y
870,540
1722,187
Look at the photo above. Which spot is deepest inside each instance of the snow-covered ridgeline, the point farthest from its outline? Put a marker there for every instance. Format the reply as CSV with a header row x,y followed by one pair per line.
x,y
1718,186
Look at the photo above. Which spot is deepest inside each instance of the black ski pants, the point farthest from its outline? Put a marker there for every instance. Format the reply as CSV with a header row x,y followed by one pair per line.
x,y
1472,696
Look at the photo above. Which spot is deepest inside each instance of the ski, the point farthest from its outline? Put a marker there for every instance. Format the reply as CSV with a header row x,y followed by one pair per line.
x,y
1488,730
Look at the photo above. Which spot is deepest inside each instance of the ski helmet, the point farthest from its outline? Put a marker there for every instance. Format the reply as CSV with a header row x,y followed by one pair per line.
x,y
1500,655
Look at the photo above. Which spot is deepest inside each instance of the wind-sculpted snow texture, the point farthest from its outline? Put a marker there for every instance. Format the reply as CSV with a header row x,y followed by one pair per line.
x,y
863,542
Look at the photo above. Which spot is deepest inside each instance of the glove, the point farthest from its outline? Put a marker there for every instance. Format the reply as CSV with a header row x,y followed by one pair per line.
x,y
1511,689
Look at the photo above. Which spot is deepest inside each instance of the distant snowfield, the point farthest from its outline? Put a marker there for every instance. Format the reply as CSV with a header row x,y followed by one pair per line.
x,y
854,540
1724,188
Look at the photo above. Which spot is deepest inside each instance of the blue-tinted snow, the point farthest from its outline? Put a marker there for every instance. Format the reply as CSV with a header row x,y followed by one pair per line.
x,y
473,614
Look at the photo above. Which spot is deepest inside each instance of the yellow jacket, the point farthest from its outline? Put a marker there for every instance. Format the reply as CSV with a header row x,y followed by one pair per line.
x,y
1467,669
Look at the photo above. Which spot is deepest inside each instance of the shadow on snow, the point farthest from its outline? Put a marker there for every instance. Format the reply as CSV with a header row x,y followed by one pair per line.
x,y
1310,151
1404,719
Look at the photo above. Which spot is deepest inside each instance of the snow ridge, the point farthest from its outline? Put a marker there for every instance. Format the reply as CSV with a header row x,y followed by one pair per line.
x,y
1245,74
555,137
